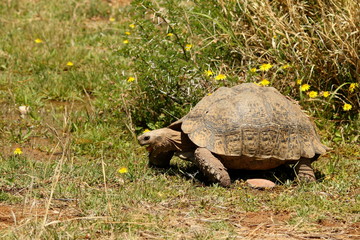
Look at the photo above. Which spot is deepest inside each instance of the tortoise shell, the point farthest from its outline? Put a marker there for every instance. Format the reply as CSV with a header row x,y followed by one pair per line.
x,y
253,121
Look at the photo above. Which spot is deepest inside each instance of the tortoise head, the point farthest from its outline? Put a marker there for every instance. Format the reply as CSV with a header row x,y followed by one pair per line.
x,y
161,145
159,140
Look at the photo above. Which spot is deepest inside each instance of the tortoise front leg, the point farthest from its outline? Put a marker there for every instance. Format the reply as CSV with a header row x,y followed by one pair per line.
x,y
161,159
304,171
211,167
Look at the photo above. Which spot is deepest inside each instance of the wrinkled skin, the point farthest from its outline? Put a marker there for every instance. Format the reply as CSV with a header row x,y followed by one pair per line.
x,y
163,143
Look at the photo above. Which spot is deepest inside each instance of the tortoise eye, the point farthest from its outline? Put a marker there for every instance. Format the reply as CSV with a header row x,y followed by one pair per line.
x,y
147,138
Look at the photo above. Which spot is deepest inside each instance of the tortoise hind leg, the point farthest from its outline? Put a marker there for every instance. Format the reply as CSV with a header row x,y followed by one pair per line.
x,y
304,171
211,167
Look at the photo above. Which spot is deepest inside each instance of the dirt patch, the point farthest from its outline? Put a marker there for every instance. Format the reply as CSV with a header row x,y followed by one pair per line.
x,y
14,215
119,3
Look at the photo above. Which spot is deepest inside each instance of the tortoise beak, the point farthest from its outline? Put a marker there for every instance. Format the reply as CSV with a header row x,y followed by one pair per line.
x,y
144,141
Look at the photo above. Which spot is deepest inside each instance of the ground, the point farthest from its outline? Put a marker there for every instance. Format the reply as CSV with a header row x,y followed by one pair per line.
x,y
66,183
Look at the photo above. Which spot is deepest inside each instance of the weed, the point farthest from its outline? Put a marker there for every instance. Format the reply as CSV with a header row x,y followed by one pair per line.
x,y
94,74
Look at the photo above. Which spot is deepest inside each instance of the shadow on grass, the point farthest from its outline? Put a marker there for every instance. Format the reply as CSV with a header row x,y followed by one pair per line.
x,y
280,175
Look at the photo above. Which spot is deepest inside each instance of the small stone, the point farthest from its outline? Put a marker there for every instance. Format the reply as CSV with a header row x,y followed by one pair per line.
x,y
258,183
24,110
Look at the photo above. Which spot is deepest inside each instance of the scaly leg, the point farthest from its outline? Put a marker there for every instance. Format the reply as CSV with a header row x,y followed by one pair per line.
x,y
161,160
304,171
211,167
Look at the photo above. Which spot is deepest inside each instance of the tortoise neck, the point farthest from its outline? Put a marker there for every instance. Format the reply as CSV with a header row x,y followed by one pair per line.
x,y
180,141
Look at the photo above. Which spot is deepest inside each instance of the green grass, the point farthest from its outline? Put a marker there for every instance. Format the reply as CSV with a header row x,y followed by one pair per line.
x,y
84,119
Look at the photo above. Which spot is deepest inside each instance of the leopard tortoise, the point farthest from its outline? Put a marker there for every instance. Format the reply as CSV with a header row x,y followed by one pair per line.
x,y
244,127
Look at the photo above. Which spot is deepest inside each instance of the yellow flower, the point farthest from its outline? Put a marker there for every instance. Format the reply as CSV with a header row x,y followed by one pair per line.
x,y
326,94
123,170
347,107
253,70
170,34
18,151
265,67
220,77
146,130
264,82
208,73
188,47
209,94
128,33
70,64
130,79
286,66
38,40
112,19
299,81
304,87
313,94
352,87
132,25
126,41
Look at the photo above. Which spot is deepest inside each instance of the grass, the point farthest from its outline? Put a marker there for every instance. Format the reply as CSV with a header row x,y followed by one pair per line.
x,y
82,129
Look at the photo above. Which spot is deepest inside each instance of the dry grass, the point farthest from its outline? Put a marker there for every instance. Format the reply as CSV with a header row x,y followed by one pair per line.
x,y
81,127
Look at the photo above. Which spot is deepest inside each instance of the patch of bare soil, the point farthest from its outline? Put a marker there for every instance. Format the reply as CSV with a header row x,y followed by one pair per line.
x,y
119,3
17,215
270,225
183,221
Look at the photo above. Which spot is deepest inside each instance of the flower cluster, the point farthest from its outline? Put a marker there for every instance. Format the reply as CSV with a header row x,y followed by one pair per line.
x,y
304,87
314,94
218,77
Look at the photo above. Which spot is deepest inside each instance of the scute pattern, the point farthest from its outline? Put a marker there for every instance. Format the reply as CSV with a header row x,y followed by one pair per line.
x,y
252,121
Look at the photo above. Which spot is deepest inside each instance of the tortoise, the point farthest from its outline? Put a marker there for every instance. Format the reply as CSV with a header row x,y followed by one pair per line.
x,y
243,127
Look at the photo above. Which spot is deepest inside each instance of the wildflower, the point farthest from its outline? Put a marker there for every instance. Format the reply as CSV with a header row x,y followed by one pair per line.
x,y
286,66
299,81
126,41
326,94
253,70
170,34
38,40
347,107
265,67
313,94
130,79
264,82
128,33
188,47
18,151
352,87
69,64
209,94
132,25
304,87
146,130
123,170
208,73
112,19
220,77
